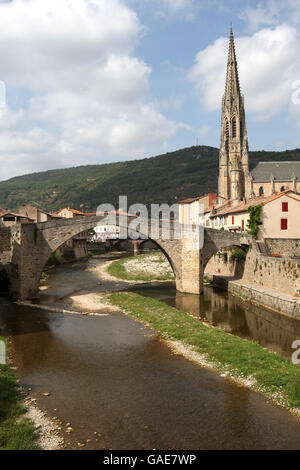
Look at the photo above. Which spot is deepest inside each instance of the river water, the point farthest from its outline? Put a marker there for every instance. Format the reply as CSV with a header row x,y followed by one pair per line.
x,y
120,387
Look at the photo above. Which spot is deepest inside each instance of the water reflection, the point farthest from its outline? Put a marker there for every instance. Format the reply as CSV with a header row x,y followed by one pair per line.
x,y
233,315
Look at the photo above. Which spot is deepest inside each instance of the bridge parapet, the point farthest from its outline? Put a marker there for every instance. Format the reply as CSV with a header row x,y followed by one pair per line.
x,y
31,245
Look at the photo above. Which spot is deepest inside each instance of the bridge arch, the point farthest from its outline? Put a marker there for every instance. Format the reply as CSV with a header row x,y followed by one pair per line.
x,y
36,243
33,244
218,240
54,243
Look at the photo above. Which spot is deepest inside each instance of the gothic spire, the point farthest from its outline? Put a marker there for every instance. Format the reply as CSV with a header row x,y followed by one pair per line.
x,y
232,87
234,161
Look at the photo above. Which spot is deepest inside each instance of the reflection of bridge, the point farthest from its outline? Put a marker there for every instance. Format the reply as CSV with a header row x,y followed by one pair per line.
x,y
26,248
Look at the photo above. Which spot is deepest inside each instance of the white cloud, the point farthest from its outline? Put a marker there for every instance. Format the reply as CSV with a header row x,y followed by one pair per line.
x,y
261,15
271,12
185,7
170,9
268,63
87,95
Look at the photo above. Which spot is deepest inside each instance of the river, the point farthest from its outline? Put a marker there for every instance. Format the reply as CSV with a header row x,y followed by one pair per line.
x,y
119,385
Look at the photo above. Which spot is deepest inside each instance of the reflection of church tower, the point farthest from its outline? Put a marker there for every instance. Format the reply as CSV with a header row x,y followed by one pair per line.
x,y
234,165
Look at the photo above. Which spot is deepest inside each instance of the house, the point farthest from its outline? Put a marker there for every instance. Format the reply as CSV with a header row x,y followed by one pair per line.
x,y
104,232
68,213
197,210
8,218
280,216
36,214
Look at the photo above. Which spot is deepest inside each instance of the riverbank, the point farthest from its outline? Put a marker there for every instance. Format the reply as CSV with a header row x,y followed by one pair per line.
x,y
23,426
128,386
283,304
148,267
16,432
243,361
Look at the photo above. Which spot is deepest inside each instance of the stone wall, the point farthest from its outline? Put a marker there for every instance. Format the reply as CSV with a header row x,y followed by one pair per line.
x,y
284,247
218,264
281,303
5,245
281,274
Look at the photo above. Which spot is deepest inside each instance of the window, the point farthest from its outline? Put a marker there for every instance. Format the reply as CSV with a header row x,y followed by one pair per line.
x,y
285,207
243,225
261,191
227,129
234,127
232,220
284,224
282,189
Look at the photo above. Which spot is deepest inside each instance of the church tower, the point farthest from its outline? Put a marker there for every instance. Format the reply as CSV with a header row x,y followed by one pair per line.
x,y
233,160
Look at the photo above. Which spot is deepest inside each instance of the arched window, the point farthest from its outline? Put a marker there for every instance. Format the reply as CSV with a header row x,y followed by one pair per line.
x,y
227,129
282,188
234,127
261,191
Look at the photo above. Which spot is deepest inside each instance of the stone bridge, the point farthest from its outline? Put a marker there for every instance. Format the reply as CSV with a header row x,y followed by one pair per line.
x,y
26,248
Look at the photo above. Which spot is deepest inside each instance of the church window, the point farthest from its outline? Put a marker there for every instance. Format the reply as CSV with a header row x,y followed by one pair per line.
x,y
284,224
285,207
282,188
261,191
227,129
234,127
232,219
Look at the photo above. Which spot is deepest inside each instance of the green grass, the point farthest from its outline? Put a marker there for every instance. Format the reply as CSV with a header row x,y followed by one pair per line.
x,y
16,432
97,252
117,269
275,375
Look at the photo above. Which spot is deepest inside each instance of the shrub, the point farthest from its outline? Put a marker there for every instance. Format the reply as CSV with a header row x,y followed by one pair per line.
x,y
238,253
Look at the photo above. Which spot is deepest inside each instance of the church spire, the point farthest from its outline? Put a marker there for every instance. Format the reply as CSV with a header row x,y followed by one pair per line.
x,y
234,166
232,86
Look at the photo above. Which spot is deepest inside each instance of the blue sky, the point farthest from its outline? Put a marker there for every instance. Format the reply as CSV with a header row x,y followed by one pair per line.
x,y
96,81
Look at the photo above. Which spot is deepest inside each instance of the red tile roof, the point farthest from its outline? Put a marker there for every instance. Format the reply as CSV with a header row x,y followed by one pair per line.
x,y
229,208
3,214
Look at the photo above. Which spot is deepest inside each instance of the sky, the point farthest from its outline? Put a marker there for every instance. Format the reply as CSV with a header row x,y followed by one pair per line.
x,y
98,81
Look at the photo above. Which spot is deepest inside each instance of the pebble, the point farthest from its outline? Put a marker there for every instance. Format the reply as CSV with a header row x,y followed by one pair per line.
x,y
46,394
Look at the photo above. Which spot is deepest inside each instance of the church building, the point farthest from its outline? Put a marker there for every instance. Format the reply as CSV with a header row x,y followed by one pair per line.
x,y
236,182
275,185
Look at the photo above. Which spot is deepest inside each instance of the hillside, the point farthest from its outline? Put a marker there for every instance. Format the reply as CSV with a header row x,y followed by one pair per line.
x,y
165,178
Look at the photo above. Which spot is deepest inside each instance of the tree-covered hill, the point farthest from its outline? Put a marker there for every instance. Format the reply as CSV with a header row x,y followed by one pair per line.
x,y
166,178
